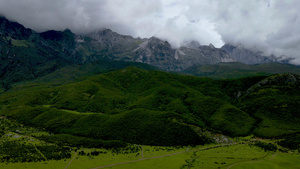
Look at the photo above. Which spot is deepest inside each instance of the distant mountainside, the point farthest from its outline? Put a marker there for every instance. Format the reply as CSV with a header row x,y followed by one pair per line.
x,y
26,54
241,54
159,108
109,45
237,70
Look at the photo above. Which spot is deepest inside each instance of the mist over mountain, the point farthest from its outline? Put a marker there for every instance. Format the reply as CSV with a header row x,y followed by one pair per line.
x,y
270,26
63,91
27,54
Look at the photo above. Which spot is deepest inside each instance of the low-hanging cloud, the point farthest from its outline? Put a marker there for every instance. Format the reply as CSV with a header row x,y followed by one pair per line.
x,y
271,26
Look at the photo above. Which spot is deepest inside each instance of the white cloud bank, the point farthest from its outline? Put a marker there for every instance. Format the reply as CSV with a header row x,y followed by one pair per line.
x,y
269,25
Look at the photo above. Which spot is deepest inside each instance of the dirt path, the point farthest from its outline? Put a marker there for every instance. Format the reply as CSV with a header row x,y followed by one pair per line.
x,y
71,160
142,150
40,153
252,161
149,158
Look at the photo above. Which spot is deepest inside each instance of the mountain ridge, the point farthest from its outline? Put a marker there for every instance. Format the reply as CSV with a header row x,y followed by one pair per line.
x,y
27,55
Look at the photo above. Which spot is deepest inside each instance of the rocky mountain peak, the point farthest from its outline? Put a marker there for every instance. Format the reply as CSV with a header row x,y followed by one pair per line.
x,y
154,41
101,34
211,46
14,29
107,34
192,44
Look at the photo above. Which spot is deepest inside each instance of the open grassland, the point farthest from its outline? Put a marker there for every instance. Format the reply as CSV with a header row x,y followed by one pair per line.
x,y
280,161
234,155
208,156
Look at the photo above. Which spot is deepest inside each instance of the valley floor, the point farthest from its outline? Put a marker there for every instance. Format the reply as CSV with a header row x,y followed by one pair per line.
x,y
241,154
233,156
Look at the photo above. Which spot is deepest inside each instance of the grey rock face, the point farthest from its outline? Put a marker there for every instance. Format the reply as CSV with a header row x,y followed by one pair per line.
x,y
160,54
203,55
108,45
243,55
108,38
192,44
157,53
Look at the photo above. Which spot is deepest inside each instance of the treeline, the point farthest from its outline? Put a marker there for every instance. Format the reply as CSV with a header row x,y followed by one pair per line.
x,y
14,152
121,150
266,146
291,142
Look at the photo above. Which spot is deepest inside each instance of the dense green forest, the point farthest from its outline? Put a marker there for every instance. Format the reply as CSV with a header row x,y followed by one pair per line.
x,y
157,108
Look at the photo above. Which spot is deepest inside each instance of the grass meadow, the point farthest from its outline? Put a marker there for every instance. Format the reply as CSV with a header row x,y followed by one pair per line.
x,y
149,157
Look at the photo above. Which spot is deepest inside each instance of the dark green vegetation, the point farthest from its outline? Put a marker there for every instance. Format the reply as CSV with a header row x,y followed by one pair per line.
x,y
84,99
157,108
14,151
75,141
17,144
237,70
266,146
291,142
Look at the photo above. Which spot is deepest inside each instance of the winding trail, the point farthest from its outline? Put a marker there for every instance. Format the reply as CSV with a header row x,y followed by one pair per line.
x,y
252,161
142,151
71,161
40,153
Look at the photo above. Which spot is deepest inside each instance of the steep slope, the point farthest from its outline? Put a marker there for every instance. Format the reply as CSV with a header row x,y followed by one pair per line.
x,y
106,45
26,55
275,101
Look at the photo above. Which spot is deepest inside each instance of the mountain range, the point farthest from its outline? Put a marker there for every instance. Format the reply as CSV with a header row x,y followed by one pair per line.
x,y
26,54
107,86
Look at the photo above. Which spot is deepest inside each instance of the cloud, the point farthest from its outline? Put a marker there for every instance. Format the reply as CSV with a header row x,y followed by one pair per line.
x,y
267,25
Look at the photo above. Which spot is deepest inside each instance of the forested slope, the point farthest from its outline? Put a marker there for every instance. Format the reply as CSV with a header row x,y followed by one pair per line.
x,y
158,108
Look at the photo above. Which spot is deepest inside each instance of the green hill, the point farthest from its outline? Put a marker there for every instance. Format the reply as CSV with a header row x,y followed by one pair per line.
x,y
158,108
236,70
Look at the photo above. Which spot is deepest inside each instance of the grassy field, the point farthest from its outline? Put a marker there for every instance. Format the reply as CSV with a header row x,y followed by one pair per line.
x,y
232,156
279,161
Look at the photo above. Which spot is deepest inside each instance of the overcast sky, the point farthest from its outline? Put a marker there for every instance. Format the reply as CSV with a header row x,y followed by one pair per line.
x,y
272,26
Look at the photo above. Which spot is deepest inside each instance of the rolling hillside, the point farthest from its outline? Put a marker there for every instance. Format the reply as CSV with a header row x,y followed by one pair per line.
x,y
158,108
